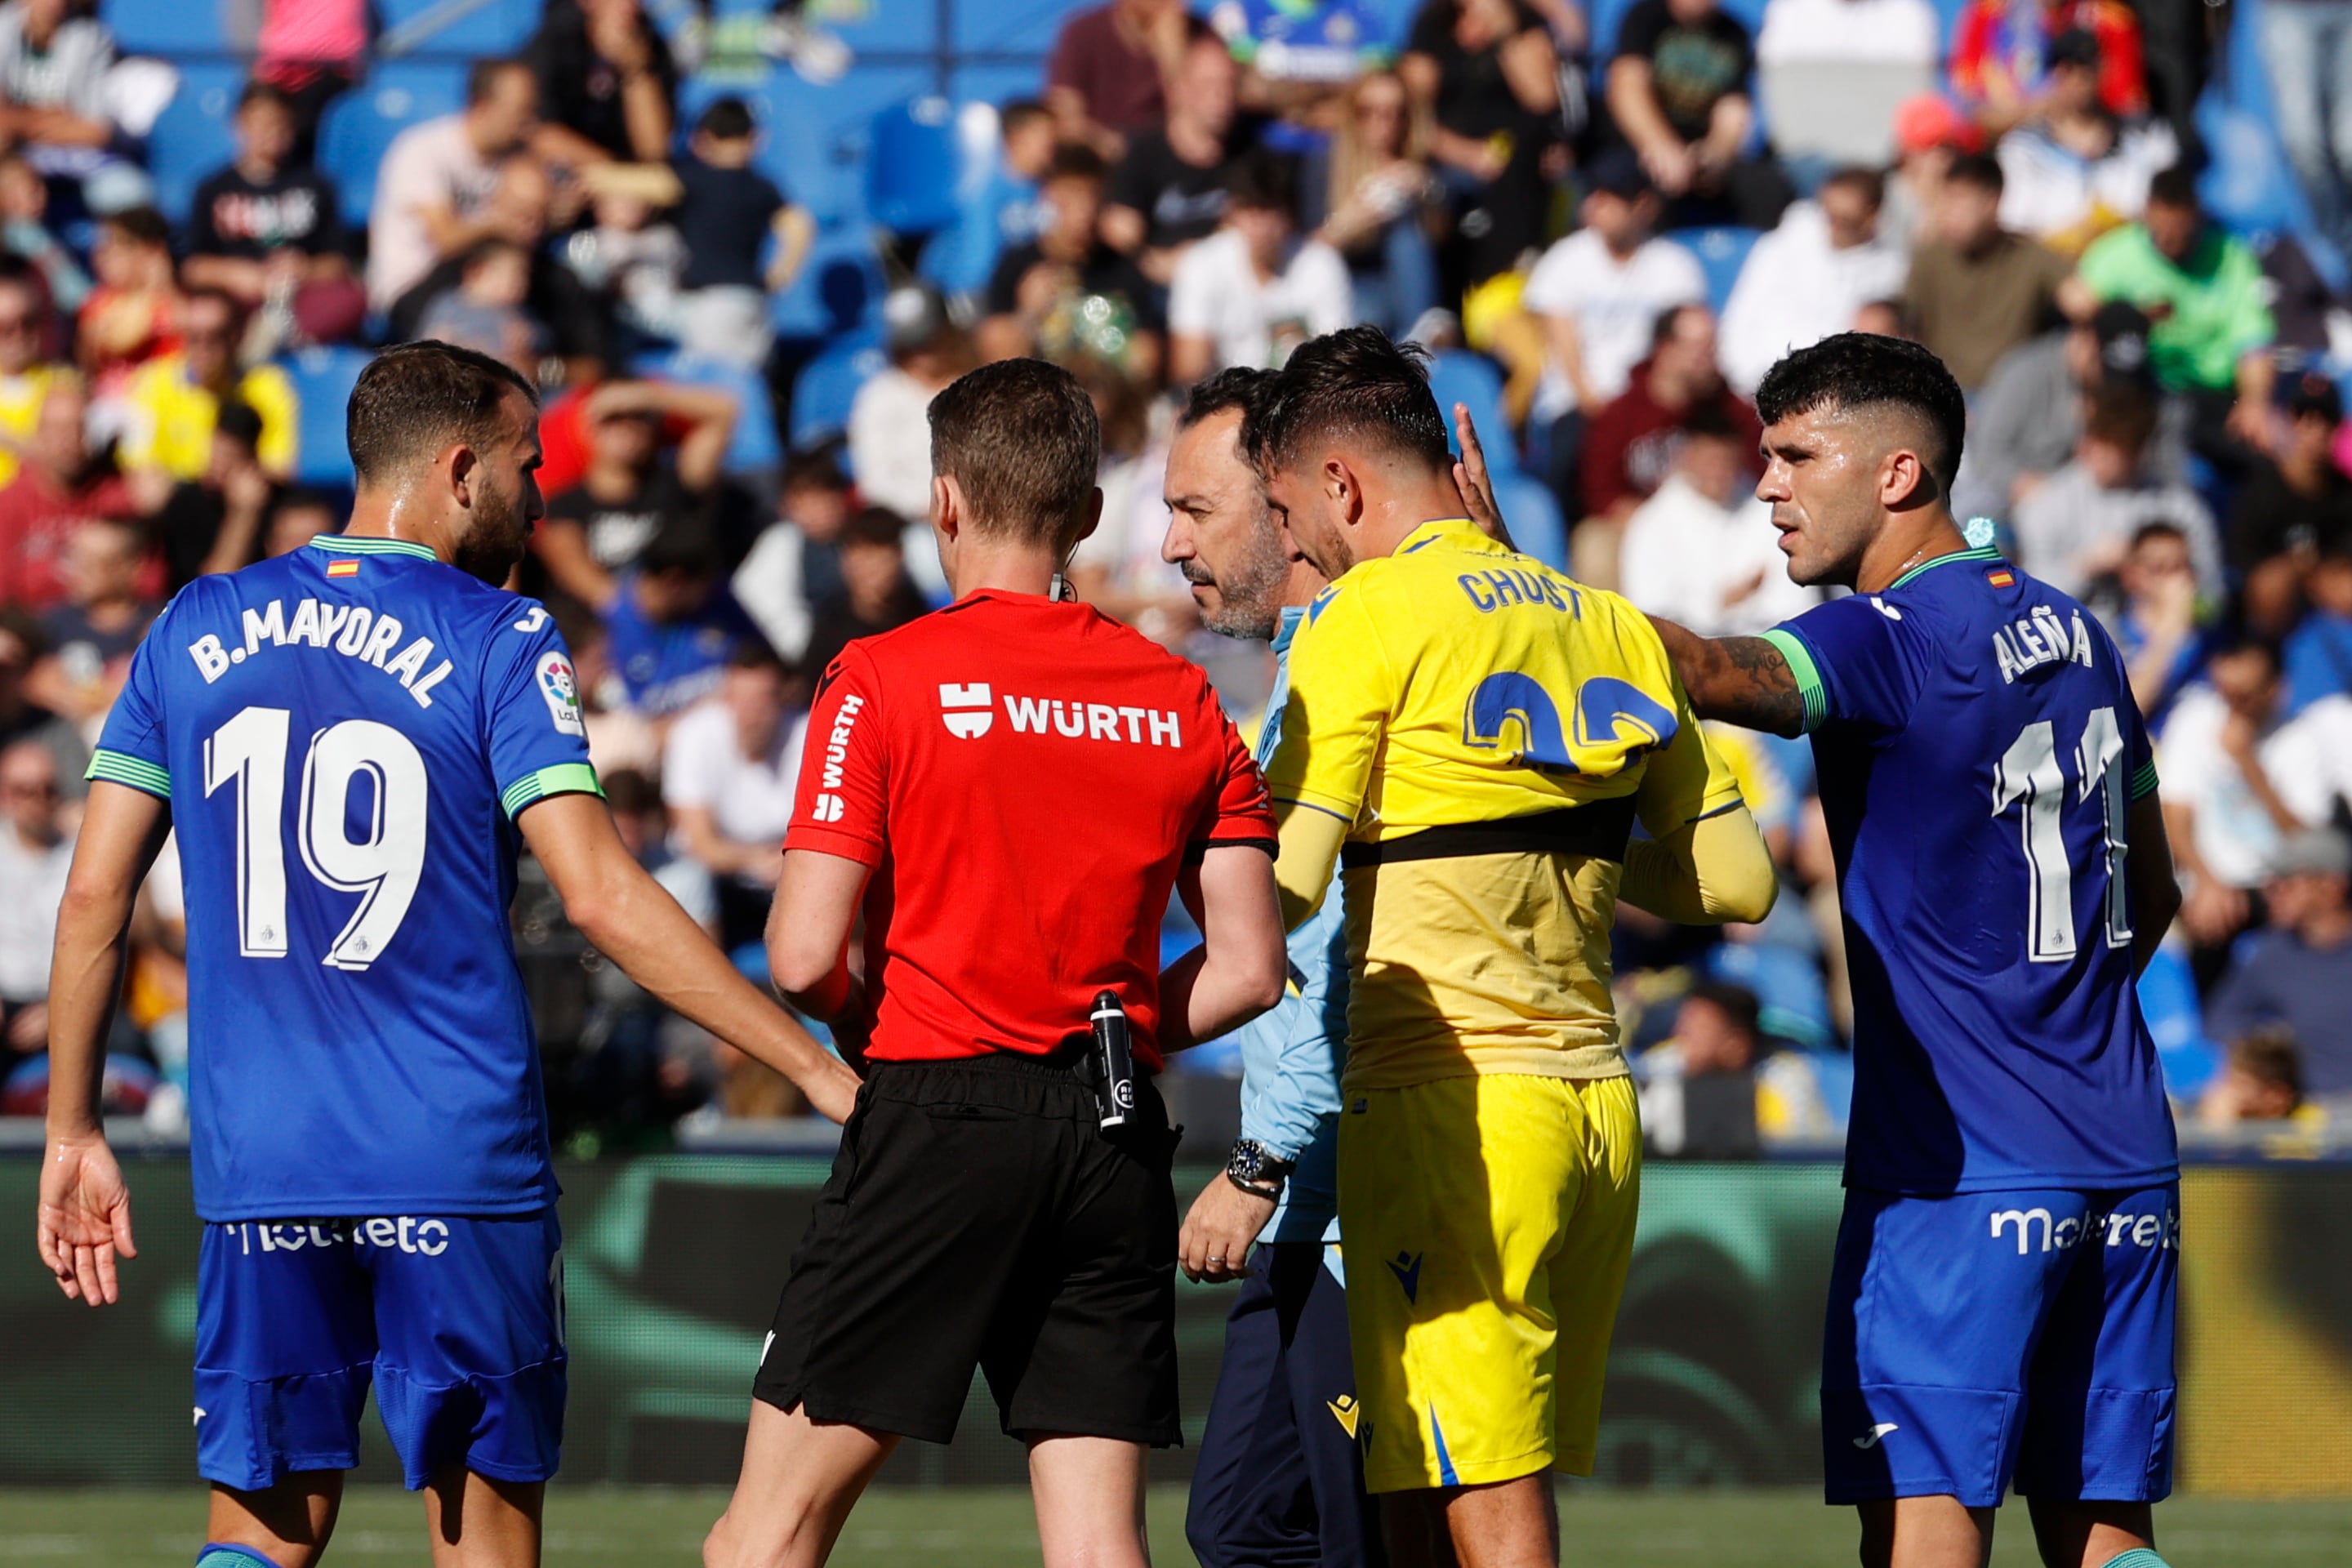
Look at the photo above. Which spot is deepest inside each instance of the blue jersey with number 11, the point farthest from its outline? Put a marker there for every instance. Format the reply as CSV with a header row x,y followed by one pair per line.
x,y
345,734
1979,750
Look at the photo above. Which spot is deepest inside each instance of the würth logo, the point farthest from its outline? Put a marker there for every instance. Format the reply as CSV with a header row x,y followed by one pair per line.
x,y
967,711
825,808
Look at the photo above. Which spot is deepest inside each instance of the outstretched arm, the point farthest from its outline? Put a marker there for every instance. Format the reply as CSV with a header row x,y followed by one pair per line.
x,y
85,1209
1740,681
633,921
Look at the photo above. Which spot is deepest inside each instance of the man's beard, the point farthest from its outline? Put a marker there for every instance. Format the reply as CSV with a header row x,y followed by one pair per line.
x,y
494,545
1249,597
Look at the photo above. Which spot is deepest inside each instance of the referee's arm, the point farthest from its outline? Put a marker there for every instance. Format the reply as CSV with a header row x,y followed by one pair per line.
x,y
1238,970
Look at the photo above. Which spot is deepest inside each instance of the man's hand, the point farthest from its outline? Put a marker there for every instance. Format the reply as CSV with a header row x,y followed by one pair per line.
x,y
1214,1244
85,1219
833,1092
1477,487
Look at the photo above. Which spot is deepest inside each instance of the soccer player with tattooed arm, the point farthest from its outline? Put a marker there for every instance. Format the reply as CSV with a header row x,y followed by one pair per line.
x,y
2003,1300
352,742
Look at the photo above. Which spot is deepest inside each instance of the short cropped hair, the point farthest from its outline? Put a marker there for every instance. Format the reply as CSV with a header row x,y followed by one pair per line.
x,y
727,120
1236,386
482,78
1353,386
1854,371
413,400
260,91
2174,188
1864,182
1978,169
1076,161
1021,437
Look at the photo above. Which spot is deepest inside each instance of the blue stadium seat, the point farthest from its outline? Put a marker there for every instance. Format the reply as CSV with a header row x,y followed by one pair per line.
x,y
839,289
168,27
913,166
417,26
1533,518
755,448
323,379
1721,253
359,127
828,385
193,139
1459,376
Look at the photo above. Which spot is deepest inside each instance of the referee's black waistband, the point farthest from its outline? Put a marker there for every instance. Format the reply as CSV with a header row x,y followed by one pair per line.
x,y
1062,1061
1601,830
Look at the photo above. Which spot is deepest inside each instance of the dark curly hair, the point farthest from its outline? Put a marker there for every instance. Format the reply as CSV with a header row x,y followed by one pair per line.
x,y
1355,385
1854,371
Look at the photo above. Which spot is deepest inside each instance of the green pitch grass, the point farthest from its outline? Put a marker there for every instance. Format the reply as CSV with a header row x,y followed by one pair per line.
x,y
984,1528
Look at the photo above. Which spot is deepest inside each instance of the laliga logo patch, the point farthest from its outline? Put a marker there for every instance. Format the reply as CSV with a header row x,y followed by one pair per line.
x,y
967,711
561,688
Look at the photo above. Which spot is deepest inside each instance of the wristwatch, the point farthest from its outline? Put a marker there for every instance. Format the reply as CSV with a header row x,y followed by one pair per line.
x,y
1255,1172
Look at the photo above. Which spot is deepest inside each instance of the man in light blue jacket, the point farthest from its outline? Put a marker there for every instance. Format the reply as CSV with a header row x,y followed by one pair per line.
x,y
1280,1478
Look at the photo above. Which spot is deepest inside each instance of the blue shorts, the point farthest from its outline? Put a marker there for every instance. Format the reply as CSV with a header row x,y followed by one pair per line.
x,y
458,1324
1988,1336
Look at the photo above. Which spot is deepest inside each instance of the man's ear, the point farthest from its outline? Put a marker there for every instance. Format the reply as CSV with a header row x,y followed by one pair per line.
x,y
1904,481
463,463
1339,481
1094,516
947,506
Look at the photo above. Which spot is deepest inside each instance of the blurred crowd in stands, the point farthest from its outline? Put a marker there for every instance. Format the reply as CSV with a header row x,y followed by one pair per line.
x,y
1603,231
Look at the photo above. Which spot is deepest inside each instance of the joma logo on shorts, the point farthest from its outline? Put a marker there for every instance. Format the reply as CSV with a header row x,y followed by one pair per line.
x,y
2146,1230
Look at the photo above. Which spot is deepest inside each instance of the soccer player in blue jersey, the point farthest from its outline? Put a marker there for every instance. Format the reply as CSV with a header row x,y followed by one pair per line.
x,y
2003,1300
352,742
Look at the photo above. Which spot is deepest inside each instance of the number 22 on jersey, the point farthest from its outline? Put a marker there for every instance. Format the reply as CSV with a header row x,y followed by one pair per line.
x,y
2029,775
383,867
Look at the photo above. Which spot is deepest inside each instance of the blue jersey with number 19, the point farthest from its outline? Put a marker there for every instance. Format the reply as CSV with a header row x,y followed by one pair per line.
x,y
1979,750
345,734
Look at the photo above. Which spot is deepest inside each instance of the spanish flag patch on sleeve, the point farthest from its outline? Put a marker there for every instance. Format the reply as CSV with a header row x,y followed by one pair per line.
x,y
2000,578
342,568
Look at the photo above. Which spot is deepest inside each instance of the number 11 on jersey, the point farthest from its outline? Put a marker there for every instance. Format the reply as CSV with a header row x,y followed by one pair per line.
x,y
2030,773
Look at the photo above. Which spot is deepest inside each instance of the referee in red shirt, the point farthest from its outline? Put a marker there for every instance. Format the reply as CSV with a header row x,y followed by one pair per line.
x,y
1009,790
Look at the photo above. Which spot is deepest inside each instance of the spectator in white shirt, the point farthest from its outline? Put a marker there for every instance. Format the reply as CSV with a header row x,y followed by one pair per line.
x,y
2076,527
35,851
53,70
1598,292
1811,277
728,774
432,190
889,419
2074,171
1256,289
2226,818
1701,550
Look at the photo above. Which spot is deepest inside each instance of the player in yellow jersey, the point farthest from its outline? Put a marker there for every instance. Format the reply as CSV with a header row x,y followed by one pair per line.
x,y
1474,737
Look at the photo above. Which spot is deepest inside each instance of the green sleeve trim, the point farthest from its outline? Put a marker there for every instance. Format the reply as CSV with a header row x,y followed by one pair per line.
x,y
114,767
2143,780
564,778
1809,674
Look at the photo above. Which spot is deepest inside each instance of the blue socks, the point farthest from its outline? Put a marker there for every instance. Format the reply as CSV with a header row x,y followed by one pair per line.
x,y
2137,1557
215,1555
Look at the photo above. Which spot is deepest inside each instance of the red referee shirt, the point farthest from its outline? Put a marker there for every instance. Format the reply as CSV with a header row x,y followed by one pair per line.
x,y
1027,778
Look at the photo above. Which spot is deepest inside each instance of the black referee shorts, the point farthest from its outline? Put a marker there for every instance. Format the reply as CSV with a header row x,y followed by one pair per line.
x,y
977,1216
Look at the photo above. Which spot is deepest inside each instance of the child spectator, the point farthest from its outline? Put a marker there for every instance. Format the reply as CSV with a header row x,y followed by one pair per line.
x,y
876,594
673,626
2261,1080
26,235
267,230
726,213
172,404
485,313
56,489
2158,627
105,613
132,316
1032,291
795,564
633,261
2074,169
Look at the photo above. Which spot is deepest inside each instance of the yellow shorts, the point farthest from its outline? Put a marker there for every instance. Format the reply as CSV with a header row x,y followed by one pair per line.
x,y
1489,1222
